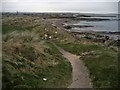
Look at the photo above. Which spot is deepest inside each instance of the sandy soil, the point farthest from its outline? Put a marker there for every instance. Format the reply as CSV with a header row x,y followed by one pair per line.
x,y
80,73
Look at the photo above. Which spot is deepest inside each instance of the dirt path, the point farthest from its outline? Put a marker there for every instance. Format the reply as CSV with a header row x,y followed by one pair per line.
x,y
80,73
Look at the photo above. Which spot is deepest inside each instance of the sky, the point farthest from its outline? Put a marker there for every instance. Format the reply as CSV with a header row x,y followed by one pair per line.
x,y
82,6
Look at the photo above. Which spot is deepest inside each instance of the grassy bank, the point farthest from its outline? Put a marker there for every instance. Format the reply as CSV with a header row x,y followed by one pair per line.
x,y
28,57
26,63
102,62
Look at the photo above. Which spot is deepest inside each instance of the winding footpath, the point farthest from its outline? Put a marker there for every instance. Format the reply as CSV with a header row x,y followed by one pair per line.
x,y
80,73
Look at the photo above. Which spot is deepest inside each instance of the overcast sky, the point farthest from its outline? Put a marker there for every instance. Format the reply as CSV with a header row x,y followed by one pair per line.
x,y
83,6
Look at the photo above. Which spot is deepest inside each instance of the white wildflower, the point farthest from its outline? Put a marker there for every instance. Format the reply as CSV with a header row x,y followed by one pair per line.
x,y
55,32
50,37
46,35
44,79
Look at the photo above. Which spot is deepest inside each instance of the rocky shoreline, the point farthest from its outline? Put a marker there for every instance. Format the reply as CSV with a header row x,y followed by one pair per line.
x,y
104,37
76,26
97,38
90,19
107,38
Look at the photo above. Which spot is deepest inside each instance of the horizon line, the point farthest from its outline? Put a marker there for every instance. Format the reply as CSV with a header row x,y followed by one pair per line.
x,y
58,12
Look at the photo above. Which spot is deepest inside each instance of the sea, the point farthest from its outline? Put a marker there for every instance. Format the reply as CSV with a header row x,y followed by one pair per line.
x,y
111,25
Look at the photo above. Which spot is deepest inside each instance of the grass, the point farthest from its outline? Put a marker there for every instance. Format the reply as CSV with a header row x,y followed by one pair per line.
x,y
28,58
103,67
78,49
102,62
11,28
28,63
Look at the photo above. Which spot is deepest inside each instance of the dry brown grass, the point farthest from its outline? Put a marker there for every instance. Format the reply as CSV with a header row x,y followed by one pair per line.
x,y
28,57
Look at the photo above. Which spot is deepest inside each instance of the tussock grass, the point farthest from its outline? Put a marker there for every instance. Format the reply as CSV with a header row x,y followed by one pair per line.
x,y
25,64
28,57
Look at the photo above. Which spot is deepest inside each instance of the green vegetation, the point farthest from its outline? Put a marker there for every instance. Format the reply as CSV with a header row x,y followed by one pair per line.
x,y
28,58
11,28
26,64
103,66
102,62
78,49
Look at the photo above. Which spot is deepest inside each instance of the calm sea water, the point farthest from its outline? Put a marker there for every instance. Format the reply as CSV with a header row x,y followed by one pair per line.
x,y
109,25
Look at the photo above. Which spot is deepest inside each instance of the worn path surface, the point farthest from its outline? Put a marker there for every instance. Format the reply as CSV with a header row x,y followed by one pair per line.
x,y
80,73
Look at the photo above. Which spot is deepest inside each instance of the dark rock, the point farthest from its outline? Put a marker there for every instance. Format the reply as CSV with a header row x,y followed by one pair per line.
x,y
66,21
107,37
78,26
67,27
91,19
88,37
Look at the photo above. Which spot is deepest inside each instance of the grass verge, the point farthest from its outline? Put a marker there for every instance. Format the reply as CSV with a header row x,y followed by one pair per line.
x,y
102,62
